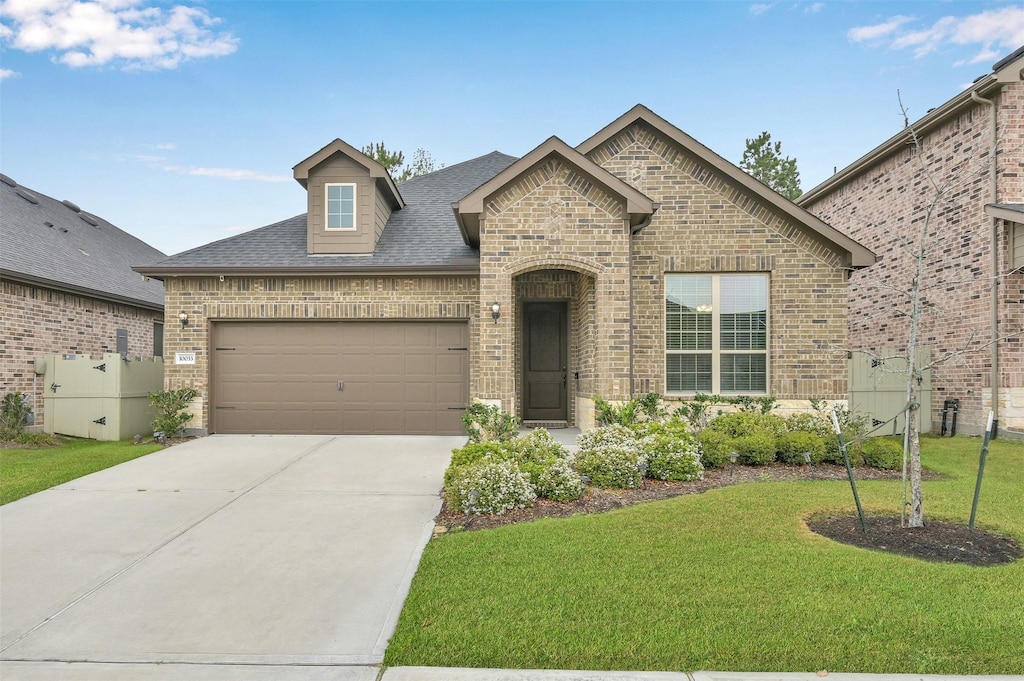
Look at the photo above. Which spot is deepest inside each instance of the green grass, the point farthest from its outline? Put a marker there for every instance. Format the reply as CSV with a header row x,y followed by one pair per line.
x,y
728,580
27,471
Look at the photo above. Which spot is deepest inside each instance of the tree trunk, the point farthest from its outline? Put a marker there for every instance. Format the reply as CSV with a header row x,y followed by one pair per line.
x,y
916,518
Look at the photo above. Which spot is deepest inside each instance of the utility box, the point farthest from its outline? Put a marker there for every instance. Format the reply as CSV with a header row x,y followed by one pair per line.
x,y
100,399
878,388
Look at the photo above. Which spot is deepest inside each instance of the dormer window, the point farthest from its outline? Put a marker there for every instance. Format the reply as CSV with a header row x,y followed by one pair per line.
x,y
341,206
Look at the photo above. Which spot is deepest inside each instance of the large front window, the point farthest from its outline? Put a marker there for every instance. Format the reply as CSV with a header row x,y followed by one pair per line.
x,y
341,206
716,333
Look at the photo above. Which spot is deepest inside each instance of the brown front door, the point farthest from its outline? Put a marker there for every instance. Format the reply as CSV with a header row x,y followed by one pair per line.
x,y
545,362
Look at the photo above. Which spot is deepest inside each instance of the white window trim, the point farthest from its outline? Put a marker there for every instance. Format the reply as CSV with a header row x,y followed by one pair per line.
x,y
716,353
355,207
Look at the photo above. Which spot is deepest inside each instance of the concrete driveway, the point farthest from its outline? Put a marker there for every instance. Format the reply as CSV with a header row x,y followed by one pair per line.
x,y
228,557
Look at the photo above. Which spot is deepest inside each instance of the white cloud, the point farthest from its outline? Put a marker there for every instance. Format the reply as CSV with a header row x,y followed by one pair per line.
x,y
875,31
995,32
8,73
815,8
234,174
761,7
122,32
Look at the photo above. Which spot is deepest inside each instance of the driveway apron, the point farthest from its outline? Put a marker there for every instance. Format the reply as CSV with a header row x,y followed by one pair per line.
x,y
293,552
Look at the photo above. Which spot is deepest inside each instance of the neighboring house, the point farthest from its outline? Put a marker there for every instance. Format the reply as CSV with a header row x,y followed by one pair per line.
x,y
67,287
977,247
637,261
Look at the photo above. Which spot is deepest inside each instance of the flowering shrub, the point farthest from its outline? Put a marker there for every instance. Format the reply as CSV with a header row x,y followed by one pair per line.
x,y
670,458
792,447
559,482
489,487
610,457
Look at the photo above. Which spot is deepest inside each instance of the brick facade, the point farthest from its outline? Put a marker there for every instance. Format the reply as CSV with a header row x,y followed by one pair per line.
x,y
39,321
704,225
887,202
554,232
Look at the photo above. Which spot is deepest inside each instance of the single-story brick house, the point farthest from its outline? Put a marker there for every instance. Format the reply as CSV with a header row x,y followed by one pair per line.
x,y
637,261
67,287
973,145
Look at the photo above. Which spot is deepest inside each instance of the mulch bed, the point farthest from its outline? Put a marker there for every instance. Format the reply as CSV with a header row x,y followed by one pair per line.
x,y
599,500
937,541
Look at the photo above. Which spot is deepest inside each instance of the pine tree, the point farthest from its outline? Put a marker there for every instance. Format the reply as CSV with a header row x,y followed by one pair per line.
x,y
764,161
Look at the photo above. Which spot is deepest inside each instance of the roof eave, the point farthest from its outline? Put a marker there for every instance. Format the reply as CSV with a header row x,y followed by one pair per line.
x,y
22,278
163,273
994,210
900,140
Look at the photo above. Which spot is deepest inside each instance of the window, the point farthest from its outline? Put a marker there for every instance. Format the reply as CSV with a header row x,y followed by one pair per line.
x,y
341,206
716,333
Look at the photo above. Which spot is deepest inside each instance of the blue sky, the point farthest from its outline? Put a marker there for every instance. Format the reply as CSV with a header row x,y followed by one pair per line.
x,y
180,122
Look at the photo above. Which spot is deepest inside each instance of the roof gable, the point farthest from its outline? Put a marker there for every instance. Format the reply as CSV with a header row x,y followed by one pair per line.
x,y
338,146
469,208
57,245
860,256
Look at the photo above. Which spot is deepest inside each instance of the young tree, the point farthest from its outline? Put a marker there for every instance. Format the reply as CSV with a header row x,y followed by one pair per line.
x,y
764,161
916,280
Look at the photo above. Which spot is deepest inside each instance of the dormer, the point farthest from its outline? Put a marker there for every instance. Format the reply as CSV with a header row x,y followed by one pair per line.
x,y
350,198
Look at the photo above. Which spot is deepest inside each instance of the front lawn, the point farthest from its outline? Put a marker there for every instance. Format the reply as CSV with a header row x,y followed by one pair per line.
x,y
27,471
729,580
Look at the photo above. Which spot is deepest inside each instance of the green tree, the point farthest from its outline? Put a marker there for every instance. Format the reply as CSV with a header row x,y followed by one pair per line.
x,y
764,161
422,162
392,160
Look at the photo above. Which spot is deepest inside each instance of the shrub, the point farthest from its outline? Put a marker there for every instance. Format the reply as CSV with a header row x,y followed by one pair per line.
x,y
883,452
792,446
833,454
559,482
487,423
172,410
755,450
609,456
490,487
697,411
14,412
473,453
809,423
714,448
670,457
609,414
741,424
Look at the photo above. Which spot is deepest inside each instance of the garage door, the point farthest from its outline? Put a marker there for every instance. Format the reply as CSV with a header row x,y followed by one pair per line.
x,y
339,377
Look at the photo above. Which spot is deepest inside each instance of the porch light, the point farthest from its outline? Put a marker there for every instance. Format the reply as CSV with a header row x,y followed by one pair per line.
x,y
496,311
183,318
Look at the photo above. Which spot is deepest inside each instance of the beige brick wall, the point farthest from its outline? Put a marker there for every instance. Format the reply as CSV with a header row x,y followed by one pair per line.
x,y
705,225
37,321
207,299
886,204
553,218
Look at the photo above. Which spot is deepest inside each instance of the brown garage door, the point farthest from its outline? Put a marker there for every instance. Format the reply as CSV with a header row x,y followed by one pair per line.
x,y
339,377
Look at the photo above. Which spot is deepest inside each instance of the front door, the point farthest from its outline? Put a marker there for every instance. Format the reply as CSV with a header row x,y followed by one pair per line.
x,y
545,362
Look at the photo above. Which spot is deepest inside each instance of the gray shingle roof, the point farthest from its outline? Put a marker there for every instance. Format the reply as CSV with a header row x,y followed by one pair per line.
x,y
423,235
46,241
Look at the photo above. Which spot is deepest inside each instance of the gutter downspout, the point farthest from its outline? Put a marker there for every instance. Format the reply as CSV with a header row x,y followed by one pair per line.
x,y
633,231
993,187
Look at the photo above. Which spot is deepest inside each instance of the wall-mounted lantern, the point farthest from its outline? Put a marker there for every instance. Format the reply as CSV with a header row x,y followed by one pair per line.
x,y
183,318
496,311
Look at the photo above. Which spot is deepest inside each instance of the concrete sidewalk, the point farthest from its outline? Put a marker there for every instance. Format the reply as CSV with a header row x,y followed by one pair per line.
x,y
290,553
